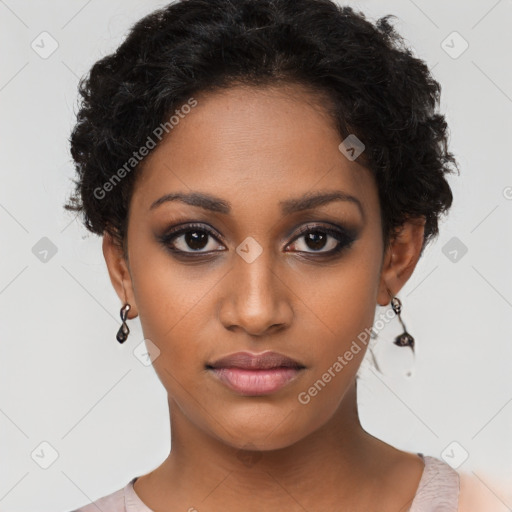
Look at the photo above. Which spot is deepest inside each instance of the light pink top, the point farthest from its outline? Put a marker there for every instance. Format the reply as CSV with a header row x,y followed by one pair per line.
x,y
438,491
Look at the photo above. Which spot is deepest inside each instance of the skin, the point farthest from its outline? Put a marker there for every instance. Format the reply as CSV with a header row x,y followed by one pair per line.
x,y
254,147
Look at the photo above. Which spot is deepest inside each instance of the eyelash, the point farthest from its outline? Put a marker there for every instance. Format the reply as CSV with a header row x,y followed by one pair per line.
x,y
345,237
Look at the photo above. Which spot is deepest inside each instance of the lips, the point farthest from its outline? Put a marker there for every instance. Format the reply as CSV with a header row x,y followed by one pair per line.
x,y
255,374
248,361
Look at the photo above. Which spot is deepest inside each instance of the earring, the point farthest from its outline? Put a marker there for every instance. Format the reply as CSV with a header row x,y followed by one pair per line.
x,y
123,332
402,340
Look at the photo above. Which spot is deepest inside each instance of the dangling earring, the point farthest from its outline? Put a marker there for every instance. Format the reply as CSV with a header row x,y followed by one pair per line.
x,y
402,340
123,332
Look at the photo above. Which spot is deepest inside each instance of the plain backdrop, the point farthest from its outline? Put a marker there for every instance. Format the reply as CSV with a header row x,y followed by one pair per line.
x,y
80,415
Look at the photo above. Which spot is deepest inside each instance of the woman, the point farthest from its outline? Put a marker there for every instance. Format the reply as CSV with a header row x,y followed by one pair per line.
x,y
264,173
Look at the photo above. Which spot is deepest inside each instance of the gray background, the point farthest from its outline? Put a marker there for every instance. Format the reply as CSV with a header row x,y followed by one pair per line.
x,y
66,381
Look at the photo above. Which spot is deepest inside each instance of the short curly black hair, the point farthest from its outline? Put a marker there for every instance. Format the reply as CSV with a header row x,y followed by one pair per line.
x,y
376,89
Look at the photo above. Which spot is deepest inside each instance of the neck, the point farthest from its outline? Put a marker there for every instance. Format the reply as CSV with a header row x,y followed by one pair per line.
x,y
339,455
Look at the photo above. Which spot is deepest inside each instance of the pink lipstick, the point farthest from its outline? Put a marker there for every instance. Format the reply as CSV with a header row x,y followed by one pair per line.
x,y
255,374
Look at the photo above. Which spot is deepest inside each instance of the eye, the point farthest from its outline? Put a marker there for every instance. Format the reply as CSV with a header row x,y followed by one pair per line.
x,y
198,239
194,238
323,240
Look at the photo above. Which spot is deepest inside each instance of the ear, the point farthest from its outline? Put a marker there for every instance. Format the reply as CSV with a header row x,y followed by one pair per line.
x,y
402,254
119,272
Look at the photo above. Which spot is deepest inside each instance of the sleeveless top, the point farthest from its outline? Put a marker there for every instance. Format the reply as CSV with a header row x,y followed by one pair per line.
x,y
438,491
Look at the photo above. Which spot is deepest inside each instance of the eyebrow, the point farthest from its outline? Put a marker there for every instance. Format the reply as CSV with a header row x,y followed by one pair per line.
x,y
306,202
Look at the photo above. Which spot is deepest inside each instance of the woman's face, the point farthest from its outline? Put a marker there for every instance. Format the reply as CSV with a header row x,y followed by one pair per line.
x,y
243,277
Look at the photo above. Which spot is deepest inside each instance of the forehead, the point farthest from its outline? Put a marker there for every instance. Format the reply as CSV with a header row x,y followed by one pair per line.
x,y
251,145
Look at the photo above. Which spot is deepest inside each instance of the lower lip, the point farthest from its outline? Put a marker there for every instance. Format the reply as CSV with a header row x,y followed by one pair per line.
x,y
255,382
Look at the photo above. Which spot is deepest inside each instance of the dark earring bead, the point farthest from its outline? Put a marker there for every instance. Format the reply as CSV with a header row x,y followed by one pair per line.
x,y
404,340
122,333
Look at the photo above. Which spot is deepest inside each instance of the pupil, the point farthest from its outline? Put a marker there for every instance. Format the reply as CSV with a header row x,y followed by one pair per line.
x,y
196,239
316,237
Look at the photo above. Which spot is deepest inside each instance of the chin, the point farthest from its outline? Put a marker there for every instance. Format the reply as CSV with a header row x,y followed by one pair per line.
x,y
278,432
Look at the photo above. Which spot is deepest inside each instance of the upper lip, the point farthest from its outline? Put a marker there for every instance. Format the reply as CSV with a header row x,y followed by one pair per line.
x,y
251,361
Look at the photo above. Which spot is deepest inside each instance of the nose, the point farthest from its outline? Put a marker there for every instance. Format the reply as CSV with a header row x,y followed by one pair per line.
x,y
256,299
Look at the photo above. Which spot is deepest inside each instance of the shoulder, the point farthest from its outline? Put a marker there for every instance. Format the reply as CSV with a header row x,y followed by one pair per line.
x,y
438,489
114,502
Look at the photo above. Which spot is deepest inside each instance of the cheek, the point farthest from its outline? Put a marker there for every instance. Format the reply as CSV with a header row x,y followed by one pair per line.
x,y
171,302
338,312
340,302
